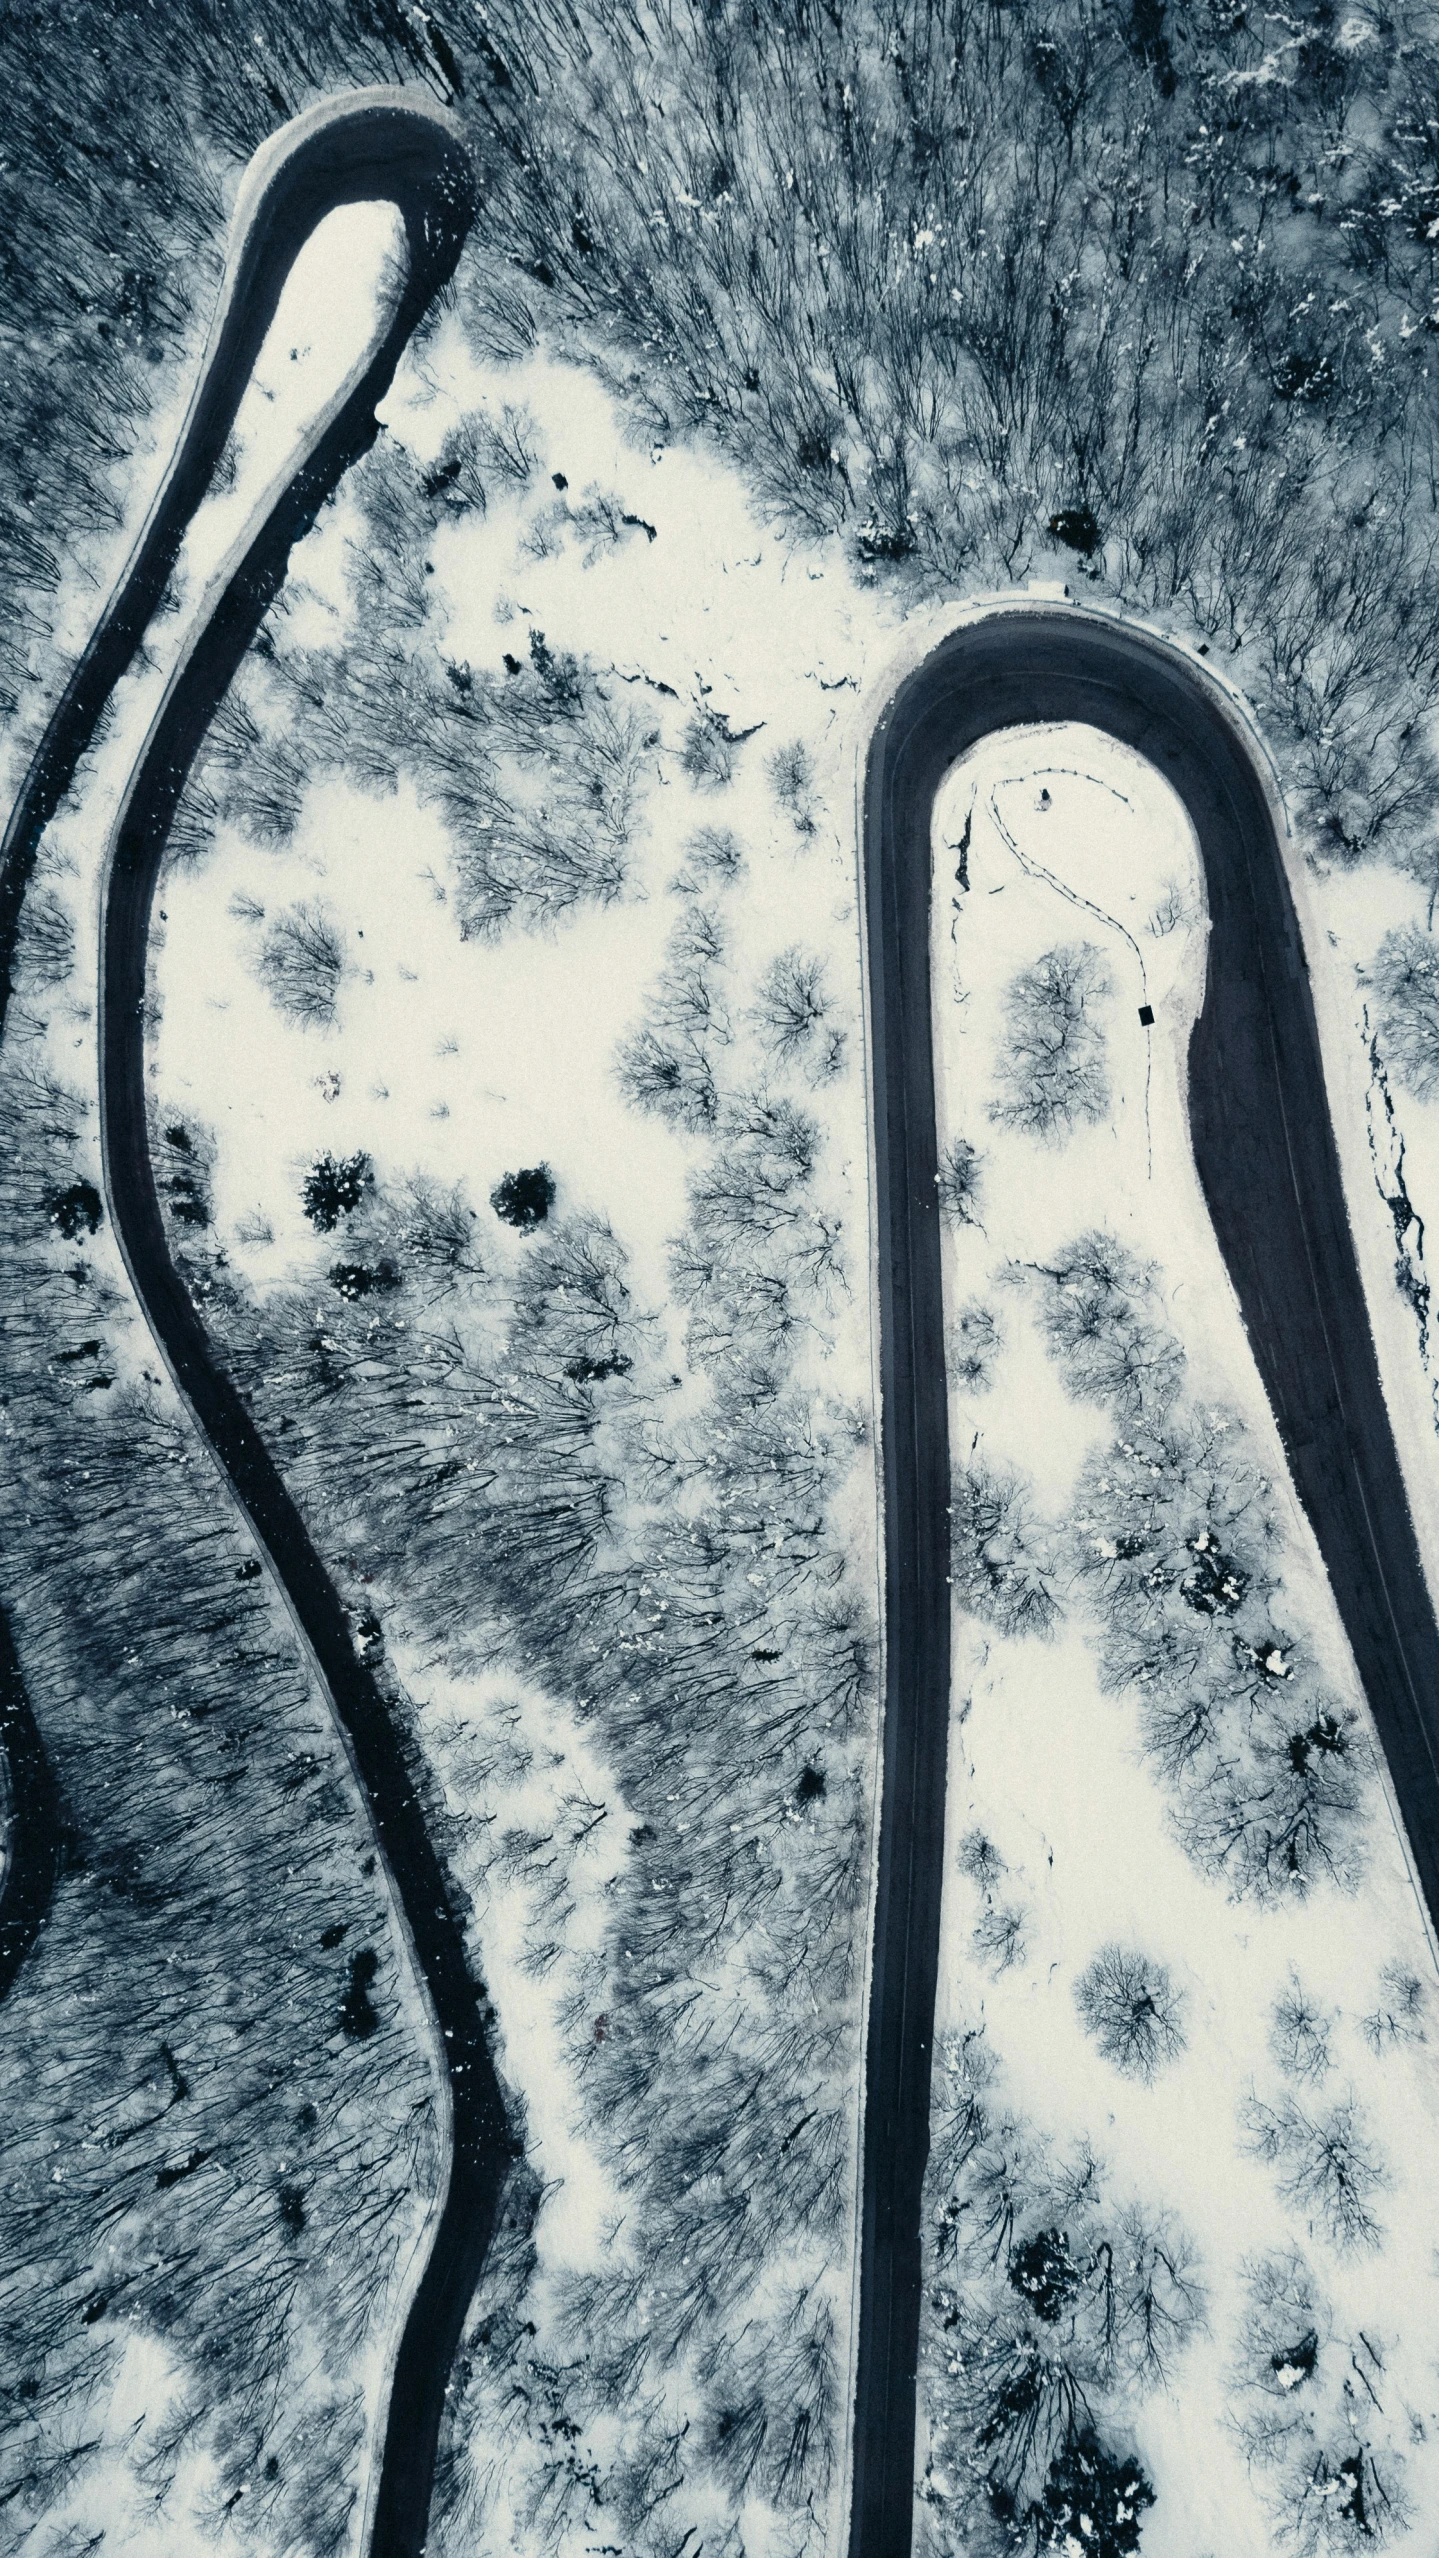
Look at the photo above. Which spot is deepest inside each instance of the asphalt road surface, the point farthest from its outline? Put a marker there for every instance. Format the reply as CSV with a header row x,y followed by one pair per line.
x,y
1270,1175
375,144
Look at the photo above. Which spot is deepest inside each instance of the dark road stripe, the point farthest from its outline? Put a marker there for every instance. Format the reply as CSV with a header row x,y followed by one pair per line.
x,y
1270,1175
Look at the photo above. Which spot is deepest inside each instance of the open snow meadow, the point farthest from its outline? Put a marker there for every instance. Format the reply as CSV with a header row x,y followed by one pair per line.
x,y
461,1636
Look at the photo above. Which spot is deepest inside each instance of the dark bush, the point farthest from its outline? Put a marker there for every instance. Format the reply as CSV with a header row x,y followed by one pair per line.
x,y
524,1199
1045,2274
1093,2502
334,1187
1076,528
76,1210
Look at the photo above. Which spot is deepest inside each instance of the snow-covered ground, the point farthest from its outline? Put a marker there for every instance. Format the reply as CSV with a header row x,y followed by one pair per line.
x,y
460,1059
1044,1762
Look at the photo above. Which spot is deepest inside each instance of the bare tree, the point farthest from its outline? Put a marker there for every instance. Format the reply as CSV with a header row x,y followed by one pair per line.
x,y
1001,1567
1405,976
957,1181
1129,2004
1328,2166
1051,1074
301,963
1299,2033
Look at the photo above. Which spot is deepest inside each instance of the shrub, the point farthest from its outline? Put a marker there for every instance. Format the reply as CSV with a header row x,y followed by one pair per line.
x,y
75,1210
1051,1074
1404,2001
715,850
1129,2004
301,963
333,1188
183,1164
998,1936
1299,2033
524,1199
708,750
974,1347
1044,2274
353,1280
957,1181
791,777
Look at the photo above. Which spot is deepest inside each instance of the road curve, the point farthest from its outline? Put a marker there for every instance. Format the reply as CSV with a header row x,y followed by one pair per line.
x,y
1270,1175
398,145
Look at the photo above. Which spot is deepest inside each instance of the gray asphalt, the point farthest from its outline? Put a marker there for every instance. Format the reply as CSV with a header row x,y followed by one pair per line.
x,y
1270,1175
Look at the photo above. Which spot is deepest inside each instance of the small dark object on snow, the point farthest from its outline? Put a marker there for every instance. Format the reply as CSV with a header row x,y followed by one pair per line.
x,y
512,664
810,1786
559,479
248,1570
1146,1016
524,1199
1076,527
962,847
333,1187
76,1211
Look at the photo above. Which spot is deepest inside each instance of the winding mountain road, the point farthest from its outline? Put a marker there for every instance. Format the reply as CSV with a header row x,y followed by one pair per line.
x,y
1270,1175
372,144
1266,1158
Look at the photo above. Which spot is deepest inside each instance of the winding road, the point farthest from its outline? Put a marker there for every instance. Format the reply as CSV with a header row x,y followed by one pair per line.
x,y
1270,1175
372,144
1267,1163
